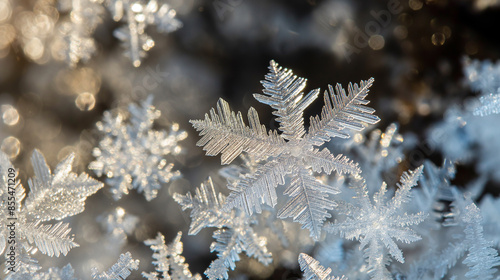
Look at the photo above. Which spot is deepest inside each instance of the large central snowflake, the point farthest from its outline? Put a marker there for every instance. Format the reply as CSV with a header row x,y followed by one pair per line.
x,y
292,152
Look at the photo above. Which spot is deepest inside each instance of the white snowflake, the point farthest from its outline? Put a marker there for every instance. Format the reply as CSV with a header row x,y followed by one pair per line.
x,y
293,151
133,155
376,224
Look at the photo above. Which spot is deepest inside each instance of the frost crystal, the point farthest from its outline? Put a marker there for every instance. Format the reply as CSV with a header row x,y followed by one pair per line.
x,y
51,197
53,273
132,155
169,262
313,270
235,233
376,224
120,270
78,43
138,15
482,257
490,104
293,151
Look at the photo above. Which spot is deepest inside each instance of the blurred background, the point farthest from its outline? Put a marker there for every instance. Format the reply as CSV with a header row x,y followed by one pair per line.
x,y
63,63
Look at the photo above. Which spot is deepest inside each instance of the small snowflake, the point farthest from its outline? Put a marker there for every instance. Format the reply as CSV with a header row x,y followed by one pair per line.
x,y
376,224
132,155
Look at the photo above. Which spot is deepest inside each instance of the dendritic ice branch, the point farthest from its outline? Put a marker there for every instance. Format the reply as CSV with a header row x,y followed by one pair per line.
x,y
234,235
169,262
290,153
313,270
132,155
77,43
376,224
52,196
138,15
53,273
482,257
120,270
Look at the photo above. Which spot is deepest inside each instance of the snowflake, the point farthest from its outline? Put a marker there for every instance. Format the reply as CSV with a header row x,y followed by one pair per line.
x,y
376,224
314,271
51,197
482,257
169,262
293,151
234,235
138,15
120,270
77,43
133,155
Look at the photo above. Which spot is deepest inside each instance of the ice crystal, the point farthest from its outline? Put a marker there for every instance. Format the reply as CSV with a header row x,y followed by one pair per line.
x,y
435,191
490,104
235,233
120,270
314,271
53,273
293,151
138,15
51,197
132,155
490,207
482,76
169,262
482,257
376,224
77,41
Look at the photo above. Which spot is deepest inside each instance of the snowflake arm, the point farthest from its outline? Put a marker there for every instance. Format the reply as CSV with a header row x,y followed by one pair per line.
x,y
234,236
121,270
169,262
324,161
226,133
205,205
229,244
482,257
258,188
283,92
53,273
51,240
313,270
341,112
60,195
309,203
